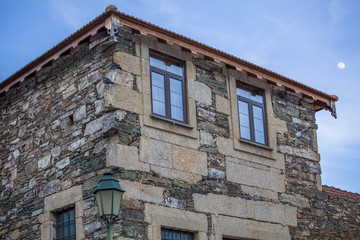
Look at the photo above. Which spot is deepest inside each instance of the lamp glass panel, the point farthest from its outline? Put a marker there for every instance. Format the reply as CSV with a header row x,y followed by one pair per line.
x,y
98,202
106,196
117,202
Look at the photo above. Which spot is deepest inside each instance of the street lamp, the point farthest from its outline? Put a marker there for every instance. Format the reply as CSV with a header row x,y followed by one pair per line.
x,y
108,200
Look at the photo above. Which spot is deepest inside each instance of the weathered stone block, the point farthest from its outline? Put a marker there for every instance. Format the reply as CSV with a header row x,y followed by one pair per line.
x,y
121,97
50,188
121,77
63,198
63,163
142,192
124,156
189,160
44,162
176,174
267,179
206,138
277,213
238,207
220,204
176,218
171,137
80,113
99,106
222,104
296,200
201,93
77,144
155,152
249,229
127,62
300,152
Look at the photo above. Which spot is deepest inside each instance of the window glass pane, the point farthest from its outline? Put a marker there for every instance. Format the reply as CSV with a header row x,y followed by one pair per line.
x,y
243,107
159,107
65,224
72,228
60,231
175,69
157,79
258,112
259,137
66,216
258,118
175,235
244,120
245,132
167,65
243,93
259,125
157,63
176,99
257,98
72,214
158,93
177,113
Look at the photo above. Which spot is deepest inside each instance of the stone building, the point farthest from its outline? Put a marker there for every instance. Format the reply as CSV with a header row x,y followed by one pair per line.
x,y
206,145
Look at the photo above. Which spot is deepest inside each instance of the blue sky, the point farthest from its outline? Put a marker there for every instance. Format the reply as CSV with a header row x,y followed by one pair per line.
x,y
303,40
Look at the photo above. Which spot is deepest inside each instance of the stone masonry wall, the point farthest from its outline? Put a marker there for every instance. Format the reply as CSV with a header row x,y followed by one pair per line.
x,y
88,113
320,215
54,132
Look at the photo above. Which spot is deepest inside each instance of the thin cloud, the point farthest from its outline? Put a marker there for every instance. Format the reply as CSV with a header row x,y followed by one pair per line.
x,y
67,11
163,6
337,10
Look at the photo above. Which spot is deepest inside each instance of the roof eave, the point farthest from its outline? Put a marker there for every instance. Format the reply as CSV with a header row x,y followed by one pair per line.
x,y
110,16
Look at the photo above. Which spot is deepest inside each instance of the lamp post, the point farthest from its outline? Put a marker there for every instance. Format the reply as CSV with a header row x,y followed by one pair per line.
x,y
108,200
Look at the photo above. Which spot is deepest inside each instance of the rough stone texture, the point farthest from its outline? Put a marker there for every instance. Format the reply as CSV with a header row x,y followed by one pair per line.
x,y
222,104
44,150
142,192
202,93
238,207
128,62
320,215
249,229
189,160
83,115
262,178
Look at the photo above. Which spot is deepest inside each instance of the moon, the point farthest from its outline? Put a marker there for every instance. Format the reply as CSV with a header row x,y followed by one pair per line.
x,y
341,65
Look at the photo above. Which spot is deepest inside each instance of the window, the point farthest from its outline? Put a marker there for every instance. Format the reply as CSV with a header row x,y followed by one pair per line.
x,y
65,224
251,114
167,234
167,87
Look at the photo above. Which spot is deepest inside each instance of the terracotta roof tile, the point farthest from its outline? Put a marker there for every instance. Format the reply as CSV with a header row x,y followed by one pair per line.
x,y
340,193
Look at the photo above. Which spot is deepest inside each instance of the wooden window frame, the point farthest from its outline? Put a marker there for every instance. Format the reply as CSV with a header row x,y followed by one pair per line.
x,y
167,75
252,103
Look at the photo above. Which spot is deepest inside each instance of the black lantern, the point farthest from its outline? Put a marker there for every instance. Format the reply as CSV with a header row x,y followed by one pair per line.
x,y
108,200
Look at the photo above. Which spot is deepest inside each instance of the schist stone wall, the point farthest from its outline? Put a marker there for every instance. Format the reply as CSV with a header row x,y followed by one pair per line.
x,y
90,111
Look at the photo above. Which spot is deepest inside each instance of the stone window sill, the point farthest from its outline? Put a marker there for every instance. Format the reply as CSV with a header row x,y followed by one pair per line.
x,y
171,121
256,144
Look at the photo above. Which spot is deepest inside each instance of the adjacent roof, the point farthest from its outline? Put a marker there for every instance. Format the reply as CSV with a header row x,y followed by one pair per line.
x,y
111,17
340,193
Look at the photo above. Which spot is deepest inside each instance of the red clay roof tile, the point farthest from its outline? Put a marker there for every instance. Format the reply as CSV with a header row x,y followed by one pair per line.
x,y
340,193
